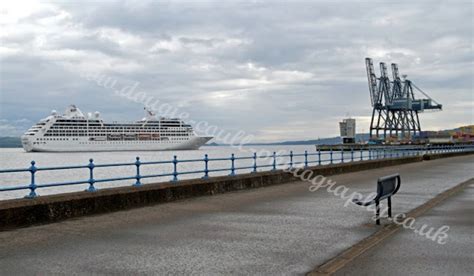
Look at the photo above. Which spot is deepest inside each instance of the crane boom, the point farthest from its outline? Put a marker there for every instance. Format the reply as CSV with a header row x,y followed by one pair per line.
x,y
372,78
385,83
395,73
397,83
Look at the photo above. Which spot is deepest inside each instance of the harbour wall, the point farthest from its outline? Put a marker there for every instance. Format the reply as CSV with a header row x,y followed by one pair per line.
x,y
47,209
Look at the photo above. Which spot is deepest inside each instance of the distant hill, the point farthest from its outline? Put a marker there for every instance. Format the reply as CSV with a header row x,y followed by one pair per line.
x,y
325,141
10,142
15,142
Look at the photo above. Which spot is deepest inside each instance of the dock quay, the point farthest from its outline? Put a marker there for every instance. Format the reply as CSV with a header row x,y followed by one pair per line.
x,y
365,147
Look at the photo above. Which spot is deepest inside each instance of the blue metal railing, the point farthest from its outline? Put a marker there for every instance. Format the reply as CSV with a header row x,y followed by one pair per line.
x,y
257,162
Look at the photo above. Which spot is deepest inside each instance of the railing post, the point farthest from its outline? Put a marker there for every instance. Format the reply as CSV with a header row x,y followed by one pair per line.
x,y
305,158
330,156
274,161
384,153
33,170
361,154
342,155
175,169
138,176
232,166
291,159
206,166
254,162
352,154
370,153
91,176
319,157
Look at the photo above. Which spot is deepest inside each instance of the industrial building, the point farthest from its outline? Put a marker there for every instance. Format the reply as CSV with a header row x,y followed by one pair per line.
x,y
348,130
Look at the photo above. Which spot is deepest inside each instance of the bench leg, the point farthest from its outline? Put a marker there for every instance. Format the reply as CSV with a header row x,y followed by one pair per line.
x,y
377,213
389,202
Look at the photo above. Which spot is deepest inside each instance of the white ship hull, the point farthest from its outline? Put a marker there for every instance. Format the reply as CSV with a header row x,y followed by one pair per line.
x,y
75,132
84,145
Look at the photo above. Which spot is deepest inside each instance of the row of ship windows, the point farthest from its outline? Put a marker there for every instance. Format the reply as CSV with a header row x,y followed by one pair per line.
x,y
77,139
118,126
122,142
134,141
125,129
106,126
119,130
98,121
128,132
56,139
103,134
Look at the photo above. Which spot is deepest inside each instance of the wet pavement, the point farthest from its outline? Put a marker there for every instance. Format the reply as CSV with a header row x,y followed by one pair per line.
x,y
407,253
283,229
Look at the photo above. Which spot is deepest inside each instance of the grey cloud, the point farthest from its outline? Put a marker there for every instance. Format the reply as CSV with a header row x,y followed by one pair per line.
x,y
254,66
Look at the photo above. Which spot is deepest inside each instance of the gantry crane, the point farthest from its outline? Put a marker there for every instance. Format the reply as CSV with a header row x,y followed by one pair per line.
x,y
395,108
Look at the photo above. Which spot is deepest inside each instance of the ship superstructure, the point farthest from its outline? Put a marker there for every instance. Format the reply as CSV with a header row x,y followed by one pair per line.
x,y
74,131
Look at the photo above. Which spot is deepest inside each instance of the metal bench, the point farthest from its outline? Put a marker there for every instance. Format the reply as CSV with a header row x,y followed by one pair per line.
x,y
387,186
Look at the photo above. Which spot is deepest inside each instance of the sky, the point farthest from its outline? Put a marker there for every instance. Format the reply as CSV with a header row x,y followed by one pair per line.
x,y
275,70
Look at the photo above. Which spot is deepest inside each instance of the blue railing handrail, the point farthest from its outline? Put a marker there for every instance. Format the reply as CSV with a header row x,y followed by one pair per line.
x,y
272,162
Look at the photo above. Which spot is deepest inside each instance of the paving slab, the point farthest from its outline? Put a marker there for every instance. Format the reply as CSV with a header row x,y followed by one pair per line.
x,y
410,254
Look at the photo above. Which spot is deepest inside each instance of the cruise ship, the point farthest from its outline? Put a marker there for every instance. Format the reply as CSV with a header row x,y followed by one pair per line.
x,y
73,131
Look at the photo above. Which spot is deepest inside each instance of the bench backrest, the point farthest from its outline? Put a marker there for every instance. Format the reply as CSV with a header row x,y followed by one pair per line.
x,y
388,186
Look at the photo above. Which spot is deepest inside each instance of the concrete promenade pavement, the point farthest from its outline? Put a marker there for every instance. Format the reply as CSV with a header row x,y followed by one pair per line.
x,y
282,229
411,254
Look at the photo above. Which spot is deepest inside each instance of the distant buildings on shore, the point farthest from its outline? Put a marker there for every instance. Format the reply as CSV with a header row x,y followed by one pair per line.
x,y
459,135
